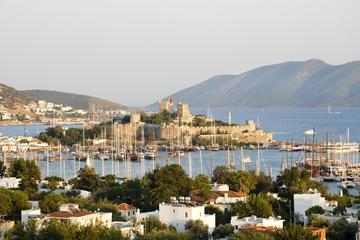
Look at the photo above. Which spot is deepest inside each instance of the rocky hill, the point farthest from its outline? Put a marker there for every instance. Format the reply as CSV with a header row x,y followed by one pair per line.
x,y
291,84
75,100
11,98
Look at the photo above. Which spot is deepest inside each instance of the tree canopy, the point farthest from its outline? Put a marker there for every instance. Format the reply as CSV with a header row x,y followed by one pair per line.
x,y
258,205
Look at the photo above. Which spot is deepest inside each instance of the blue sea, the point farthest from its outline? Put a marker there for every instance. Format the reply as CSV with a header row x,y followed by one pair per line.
x,y
285,124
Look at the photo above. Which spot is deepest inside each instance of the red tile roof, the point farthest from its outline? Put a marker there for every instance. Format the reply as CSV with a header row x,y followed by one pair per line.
x,y
125,207
63,214
216,194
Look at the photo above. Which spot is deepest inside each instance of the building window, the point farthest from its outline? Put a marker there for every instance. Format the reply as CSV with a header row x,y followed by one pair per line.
x,y
128,213
133,212
186,214
174,211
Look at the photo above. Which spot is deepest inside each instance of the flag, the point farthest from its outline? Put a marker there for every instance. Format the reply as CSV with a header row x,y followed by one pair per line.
x,y
170,101
310,132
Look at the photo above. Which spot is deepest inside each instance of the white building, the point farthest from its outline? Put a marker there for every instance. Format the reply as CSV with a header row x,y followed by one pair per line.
x,y
304,201
255,221
70,213
128,228
219,187
27,215
127,211
10,182
177,214
142,216
33,213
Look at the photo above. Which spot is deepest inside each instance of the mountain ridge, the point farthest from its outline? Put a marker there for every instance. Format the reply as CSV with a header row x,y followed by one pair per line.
x,y
78,101
309,83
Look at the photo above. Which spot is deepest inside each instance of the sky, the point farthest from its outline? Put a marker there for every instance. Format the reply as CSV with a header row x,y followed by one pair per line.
x,y
134,52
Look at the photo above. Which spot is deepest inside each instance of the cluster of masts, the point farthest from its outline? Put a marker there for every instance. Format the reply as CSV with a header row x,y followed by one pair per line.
x,y
327,161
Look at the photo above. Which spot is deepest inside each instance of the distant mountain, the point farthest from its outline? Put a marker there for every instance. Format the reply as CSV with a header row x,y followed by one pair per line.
x,y
10,97
75,100
291,84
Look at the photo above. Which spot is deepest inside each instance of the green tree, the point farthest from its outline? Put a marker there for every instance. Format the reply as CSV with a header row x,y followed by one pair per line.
x,y
294,231
53,182
28,171
197,229
264,184
220,175
167,234
241,181
166,182
220,216
342,230
339,210
258,205
202,186
12,202
51,203
247,235
152,224
318,221
24,232
2,169
87,179
314,210
5,201
57,230
20,201
223,231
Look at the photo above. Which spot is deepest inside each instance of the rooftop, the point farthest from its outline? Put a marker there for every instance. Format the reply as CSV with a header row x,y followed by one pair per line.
x,y
125,207
69,214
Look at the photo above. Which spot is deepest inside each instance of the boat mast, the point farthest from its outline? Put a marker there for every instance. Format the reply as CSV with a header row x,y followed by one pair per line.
x,y
201,162
242,159
190,166
258,160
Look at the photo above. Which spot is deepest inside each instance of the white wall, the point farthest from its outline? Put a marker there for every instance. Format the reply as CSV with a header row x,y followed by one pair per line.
x,y
26,215
303,202
178,214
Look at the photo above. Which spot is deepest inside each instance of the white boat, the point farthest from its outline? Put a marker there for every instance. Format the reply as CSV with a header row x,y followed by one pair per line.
x,y
343,147
246,160
347,184
150,154
214,147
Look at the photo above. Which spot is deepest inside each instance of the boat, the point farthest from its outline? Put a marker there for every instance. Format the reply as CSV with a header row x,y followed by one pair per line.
x,y
134,156
246,160
214,147
150,154
347,184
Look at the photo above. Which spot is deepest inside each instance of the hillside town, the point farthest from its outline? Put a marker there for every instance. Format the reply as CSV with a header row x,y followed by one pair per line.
x,y
49,113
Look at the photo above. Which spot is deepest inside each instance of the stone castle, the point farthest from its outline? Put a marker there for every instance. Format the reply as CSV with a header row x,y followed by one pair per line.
x,y
245,133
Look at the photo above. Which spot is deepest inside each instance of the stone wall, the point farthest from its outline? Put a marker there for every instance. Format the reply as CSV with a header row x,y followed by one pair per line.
x,y
244,133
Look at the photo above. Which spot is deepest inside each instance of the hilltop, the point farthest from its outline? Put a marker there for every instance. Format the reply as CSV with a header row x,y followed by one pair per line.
x,y
10,97
309,83
75,100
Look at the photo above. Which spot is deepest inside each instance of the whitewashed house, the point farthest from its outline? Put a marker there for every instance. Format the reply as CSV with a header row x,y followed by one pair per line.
x,y
70,213
127,211
10,182
177,214
304,201
255,221
33,213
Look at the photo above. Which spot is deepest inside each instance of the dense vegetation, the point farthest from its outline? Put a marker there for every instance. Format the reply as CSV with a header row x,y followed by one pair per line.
x,y
158,186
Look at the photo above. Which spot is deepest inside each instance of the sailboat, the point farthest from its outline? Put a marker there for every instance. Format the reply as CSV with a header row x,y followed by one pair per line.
x,y
329,110
214,146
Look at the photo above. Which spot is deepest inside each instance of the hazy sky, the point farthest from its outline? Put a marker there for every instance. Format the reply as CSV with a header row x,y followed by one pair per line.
x,y
134,52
